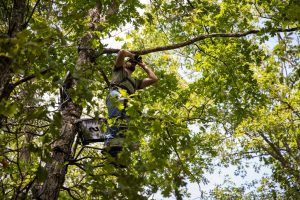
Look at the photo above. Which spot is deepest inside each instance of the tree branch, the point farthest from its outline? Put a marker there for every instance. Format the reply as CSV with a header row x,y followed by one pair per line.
x,y
199,38
9,87
31,77
184,168
31,14
69,192
17,17
276,152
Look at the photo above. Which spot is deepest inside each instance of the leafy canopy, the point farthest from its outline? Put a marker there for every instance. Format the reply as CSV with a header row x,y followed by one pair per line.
x,y
240,95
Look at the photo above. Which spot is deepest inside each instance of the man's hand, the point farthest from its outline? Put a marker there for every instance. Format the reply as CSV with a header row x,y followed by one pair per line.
x,y
152,78
120,57
142,64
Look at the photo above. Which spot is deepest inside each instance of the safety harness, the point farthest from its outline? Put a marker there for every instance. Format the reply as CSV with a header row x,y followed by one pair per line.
x,y
119,84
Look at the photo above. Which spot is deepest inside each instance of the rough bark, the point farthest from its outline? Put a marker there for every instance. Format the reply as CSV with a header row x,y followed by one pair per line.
x,y
18,17
57,167
5,76
62,148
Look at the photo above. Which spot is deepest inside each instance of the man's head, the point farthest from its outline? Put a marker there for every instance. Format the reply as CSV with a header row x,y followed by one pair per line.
x,y
130,65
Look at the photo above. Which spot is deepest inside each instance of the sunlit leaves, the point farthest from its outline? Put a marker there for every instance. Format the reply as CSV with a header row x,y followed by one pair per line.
x,y
217,102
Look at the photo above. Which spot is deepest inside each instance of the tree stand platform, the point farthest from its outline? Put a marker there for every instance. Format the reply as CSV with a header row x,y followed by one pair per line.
x,y
91,130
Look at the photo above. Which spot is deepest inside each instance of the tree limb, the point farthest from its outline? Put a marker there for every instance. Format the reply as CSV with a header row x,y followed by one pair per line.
x,y
17,18
9,87
199,38
31,14
25,79
276,152
69,192
186,171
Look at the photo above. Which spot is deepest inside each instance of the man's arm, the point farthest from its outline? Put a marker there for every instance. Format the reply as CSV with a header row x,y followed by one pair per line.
x,y
121,56
151,79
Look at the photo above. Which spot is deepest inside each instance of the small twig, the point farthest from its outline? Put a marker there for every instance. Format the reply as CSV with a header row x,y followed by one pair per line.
x,y
69,192
29,185
180,160
190,3
74,161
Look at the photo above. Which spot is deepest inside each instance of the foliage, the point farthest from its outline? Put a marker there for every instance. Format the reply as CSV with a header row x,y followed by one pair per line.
x,y
240,95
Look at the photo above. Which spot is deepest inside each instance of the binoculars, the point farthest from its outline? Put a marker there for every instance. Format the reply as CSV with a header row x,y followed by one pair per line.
x,y
138,58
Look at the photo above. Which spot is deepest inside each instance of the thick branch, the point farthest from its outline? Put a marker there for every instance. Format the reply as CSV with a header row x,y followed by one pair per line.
x,y
276,152
27,78
9,87
15,26
199,38
17,19
31,14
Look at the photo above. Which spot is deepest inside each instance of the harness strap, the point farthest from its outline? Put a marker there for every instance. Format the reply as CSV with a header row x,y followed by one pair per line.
x,y
121,86
127,79
105,77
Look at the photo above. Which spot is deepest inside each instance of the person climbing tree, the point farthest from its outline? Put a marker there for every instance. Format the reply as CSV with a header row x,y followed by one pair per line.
x,y
121,79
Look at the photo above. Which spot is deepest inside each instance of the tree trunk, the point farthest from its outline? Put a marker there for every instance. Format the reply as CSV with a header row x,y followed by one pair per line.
x,y
16,25
18,17
61,150
5,77
58,165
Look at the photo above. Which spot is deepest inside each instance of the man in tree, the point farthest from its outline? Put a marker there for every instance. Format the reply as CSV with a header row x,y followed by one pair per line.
x,y
121,79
